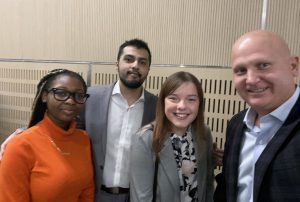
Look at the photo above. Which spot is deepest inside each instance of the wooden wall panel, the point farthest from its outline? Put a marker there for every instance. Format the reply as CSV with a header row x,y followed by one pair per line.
x,y
284,19
196,32
18,82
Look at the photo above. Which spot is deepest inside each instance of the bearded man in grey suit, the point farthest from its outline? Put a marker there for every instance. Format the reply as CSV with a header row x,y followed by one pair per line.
x,y
113,113
261,159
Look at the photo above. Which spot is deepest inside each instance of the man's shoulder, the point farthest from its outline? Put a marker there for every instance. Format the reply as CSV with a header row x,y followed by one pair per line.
x,y
237,119
239,115
100,90
100,87
149,94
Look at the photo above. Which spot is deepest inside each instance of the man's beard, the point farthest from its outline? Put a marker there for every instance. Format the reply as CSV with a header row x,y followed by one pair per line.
x,y
132,84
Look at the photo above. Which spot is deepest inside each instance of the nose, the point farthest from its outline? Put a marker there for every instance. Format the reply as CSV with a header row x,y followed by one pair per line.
x,y
71,100
181,104
252,77
135,64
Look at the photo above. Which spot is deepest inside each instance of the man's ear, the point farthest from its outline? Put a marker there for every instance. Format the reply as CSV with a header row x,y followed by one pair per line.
x,y
294,64
117,65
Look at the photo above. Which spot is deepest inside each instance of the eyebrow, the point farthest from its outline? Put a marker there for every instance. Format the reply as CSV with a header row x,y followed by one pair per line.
x,y
190,95
66,89
132,56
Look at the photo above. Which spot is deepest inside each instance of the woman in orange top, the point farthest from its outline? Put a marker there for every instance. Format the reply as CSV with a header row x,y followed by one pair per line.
x,y
51,160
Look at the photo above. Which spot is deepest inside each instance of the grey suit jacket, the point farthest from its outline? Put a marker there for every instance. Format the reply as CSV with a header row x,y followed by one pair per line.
x,y
94,120
142,170
277,170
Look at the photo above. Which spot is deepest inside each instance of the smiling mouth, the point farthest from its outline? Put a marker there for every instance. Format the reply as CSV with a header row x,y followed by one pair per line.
x,y
180,115
257,90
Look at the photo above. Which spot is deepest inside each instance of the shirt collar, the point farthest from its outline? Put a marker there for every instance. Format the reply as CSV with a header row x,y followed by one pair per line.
x,y
188,133
117,91
281,113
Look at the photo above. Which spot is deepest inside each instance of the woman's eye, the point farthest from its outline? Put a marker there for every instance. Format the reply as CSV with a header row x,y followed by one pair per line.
x,y
192,99
61,93
80,95
174,99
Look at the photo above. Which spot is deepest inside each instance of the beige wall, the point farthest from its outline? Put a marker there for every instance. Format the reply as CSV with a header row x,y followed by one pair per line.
x,y
178,31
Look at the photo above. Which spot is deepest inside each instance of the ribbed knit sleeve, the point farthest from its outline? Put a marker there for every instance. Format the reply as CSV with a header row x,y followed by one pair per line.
x,y
15,170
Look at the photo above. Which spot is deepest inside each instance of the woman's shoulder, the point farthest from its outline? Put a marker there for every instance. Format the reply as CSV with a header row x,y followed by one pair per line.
x,y
206,137
81,136
28,134
81,132
207,131
23,140
206,128
146,130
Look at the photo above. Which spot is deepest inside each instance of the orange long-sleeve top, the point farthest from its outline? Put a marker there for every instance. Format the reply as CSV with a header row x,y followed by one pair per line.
x,y
33,168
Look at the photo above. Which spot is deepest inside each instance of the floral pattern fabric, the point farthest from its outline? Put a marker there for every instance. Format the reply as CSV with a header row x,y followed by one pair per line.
x,y
184,153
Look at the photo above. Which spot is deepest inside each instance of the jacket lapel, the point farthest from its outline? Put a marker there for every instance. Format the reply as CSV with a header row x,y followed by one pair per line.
x,y
232,164
149,108
201,156
169,166
104,99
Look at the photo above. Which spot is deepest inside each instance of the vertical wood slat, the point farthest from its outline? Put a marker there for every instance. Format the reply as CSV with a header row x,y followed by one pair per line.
x,y
18,82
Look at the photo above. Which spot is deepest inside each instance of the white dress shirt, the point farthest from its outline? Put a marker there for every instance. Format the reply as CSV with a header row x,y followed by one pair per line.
x,y
254,142
123,122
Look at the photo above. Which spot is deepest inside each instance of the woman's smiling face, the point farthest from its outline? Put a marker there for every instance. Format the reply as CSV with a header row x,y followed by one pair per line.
x,y
181,107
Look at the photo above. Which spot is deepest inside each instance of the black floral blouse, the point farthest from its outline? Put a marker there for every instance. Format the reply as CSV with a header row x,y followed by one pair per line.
x,y
184,153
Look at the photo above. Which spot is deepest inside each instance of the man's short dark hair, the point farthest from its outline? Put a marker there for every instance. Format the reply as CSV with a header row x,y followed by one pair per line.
x,y
137,43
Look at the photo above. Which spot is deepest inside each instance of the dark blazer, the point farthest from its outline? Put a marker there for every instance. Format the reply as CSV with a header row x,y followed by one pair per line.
x,y
94,120
277,170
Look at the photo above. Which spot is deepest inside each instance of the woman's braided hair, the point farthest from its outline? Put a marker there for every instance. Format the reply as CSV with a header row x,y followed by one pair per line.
x,y
39,107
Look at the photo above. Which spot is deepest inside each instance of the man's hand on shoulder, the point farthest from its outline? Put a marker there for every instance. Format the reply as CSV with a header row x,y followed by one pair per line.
x,y
3,145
